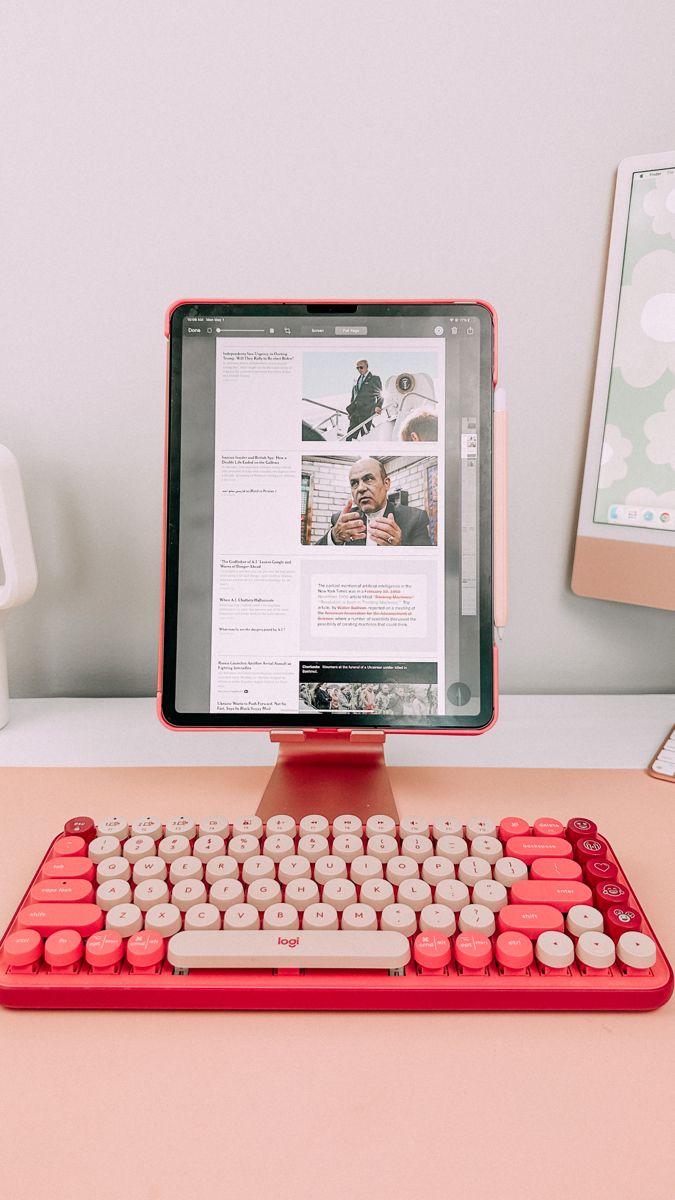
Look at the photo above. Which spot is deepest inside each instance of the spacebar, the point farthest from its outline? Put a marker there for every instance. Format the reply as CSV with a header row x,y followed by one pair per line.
x,y
332,950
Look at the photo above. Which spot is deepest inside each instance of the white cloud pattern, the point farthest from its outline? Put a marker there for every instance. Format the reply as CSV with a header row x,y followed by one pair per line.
x,y
615,450
660,205
660,433
645,336
644,496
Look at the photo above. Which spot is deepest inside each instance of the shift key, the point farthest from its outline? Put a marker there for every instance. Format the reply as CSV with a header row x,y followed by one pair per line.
x,y
51,918
562,895
530,919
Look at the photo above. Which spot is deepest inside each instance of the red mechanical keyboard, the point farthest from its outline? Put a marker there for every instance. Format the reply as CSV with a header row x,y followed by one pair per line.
x,y
213,914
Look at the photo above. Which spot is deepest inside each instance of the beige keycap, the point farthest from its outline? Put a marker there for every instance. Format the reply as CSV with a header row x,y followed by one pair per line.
x,y
490,894
411,825
636,950
262,893
329,867
147,827
438,918
399,918
203,916
223,867
313,846
209,846
476,918
278,846
281,823
241,916
509,871
181,825
188,893
187,867
320,916
153,867
294,866
314,949
164,918
378,893
452,846
281,916
225,893
447,827
339,893
301,893
470,870
418,847
125,919
174,846
347,823
248,826
366,866
215,826
453,893
258,867
105,847
139,846
480,827
151,892
113,892
359,916
113,868
434,869
113,827
489,848
314,823
583,919
348,846
380,824
555,950
400,868
243,846
382,846
415,893
596,950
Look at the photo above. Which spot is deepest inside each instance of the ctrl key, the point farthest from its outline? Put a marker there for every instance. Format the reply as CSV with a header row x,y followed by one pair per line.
x,y
22,951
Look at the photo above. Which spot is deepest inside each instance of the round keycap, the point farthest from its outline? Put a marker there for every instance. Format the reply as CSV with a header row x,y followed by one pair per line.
x,y
281,916
339,893
137,847
301,893
447,827
70,847
64,949
490,894
115,826
113,868
320,916
82,827
249,826
480,827
589,848
475,917
281,824
152,867
401,868
315,823
412,825
145,949
488,848
313,846
186,867
222,867
203,916
415,893
636,950
598,870
151,892
399,918
435,869
580,827
263,893
329,867
348,846
164,919
184,826
622,919
294,866
346,823
452,847
112,893
473,951
583,919
596,950
438,918
418,847
610,894
554,950
147,827
214,827
548,827
243,846
104,847
432,950
225,893
359,916
378,893
380,824
514,951
104,949
23,948
125,919
513,827
176,845
258,867
365,867
382,846
509,871
241,916
453,893
470,870
208,847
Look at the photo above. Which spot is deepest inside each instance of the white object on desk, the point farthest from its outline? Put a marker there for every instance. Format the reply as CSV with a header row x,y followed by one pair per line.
x,y
17,557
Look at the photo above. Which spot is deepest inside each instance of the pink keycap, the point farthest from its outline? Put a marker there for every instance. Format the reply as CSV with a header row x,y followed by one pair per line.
x,y
432,951
473,951
527,849
513,827
555,868
608,895
62,891
69,868
530,919
65,847
104,949
622,920
513,951
51,918
548,827
145,949
580,827
598,870
64,949
22,949
82,827
560,894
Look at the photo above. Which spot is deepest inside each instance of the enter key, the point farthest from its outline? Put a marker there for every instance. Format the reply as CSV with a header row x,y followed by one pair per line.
x,y
562,895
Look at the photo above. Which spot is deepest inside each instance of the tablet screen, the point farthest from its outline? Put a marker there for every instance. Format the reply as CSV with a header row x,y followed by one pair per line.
x,y
329,504
636,480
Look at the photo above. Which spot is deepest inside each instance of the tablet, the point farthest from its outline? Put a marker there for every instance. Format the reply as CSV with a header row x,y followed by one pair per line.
x,y
625,546
328,516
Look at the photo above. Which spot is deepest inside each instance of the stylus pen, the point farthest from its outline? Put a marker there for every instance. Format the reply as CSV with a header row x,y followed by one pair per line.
x,y
499,514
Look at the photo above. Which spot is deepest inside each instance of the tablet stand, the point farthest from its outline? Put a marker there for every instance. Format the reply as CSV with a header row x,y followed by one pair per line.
x,y
328,771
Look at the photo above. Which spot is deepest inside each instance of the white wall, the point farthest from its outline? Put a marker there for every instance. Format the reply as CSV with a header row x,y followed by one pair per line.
x,y
159,149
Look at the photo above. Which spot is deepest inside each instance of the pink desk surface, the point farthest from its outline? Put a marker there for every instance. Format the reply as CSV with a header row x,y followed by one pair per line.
x,y
286,1106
